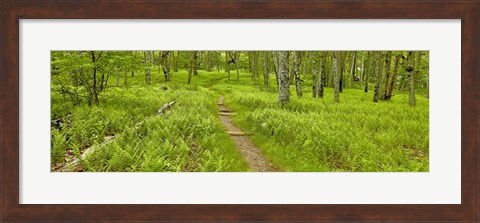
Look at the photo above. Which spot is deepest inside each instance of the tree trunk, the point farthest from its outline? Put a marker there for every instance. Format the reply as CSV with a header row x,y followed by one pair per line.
x,y
412,100
165,64
297,58
175,61
125,78
322,73
283,75
336,77
394,76
388,64
428,79
362,70
315,79
209,61
227,68
148,61
367,71
341,65
255,64
276,66
237,61
192,65
378,74
117,78
266,71
352,67
94,98
195,62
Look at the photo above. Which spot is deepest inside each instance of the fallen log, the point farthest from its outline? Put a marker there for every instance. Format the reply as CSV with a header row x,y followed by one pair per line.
x,y
164,108
75,164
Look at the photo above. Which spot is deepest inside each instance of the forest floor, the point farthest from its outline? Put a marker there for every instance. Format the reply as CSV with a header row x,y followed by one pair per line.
x,y
251,154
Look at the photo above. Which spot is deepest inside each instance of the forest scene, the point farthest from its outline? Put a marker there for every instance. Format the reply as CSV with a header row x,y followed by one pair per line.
x,y
239,111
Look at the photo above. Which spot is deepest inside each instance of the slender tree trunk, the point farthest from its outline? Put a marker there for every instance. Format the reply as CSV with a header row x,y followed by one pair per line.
x,y
394,76
296,70
388,64
125,78
378,74
336,77
322,73
237,61
283,88
368,70
192,65
341,65
165,64
352,67
117,78
175,61
266,71
255,64
412,100
276,66
195,62
148,61
227,66
209,61
362,73
315,79
94,89
428,79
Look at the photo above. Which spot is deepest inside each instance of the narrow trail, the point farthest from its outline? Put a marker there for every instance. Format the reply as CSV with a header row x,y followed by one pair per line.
x,y
252,155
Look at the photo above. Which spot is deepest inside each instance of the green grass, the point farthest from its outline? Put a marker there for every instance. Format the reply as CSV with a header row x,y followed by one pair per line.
x,y
309,134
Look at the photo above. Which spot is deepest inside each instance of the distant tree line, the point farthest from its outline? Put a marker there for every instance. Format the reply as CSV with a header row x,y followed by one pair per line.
x,y
83,75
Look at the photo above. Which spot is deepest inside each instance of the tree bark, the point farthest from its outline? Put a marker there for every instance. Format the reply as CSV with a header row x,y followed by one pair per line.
x,y
237,61
94,97
428,79
315,79
341,65
297,58
322,73
195,62
362,70
412,100
148,61
283,88
378,74
352,67
367,71
125,78
165,64
117,78
175,61
388,64
336,77
266,71
276,66
394,77
209,61
227,68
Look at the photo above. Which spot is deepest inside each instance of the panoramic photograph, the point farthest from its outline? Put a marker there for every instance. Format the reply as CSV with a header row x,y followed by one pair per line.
x,y
239,111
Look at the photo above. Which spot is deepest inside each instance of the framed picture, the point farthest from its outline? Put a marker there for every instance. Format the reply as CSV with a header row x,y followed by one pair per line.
x,y
161,111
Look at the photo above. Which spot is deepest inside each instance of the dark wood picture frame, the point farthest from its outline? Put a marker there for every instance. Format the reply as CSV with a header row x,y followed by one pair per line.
x,y
14,10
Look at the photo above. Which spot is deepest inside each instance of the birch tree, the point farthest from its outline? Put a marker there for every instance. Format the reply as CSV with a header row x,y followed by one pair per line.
x,y
336,77
283,76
